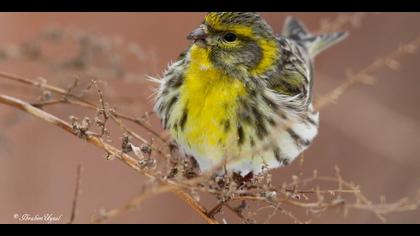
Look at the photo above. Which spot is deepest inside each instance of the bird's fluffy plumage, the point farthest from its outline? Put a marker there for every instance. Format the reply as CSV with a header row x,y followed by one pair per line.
x,y
242,102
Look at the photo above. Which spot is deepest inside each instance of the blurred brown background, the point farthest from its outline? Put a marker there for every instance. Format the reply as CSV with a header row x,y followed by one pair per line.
x,y
372,133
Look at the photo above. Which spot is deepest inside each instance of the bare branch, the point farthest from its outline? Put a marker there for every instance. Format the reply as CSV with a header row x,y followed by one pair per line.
x,y
76,194
72,99
128,160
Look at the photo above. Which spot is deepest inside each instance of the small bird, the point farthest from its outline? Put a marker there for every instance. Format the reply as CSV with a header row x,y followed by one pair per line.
x,y
239,98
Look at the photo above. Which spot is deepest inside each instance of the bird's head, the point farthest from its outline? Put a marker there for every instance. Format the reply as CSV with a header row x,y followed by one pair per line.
x,y
236,42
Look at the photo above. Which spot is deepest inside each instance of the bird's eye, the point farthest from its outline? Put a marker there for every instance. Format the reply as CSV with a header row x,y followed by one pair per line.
x,y
229,37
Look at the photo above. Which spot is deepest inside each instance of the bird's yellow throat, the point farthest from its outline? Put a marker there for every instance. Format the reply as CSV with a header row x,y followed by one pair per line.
x,y
210,99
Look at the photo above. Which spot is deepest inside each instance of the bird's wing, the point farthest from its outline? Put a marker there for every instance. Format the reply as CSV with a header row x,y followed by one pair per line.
x,y
294,74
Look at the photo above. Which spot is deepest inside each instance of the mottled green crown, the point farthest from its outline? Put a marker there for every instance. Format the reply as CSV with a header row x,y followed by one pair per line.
x,y
222,20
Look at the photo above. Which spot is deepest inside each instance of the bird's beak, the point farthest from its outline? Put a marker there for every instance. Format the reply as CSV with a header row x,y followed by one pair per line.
x,y
199,36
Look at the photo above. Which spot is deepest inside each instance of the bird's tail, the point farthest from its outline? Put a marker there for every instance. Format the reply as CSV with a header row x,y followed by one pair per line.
x,y
315,44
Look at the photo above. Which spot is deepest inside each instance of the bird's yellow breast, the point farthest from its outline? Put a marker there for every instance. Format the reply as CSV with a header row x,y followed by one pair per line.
x,y
209,97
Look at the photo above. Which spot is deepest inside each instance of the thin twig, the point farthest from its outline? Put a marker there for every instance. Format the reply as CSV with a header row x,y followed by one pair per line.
x,y
364,76
131,204
340,21
194,205
134,134
76,194
216,209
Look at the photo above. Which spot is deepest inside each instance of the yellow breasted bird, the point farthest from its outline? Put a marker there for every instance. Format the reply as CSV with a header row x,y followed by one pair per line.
x,y
240,96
